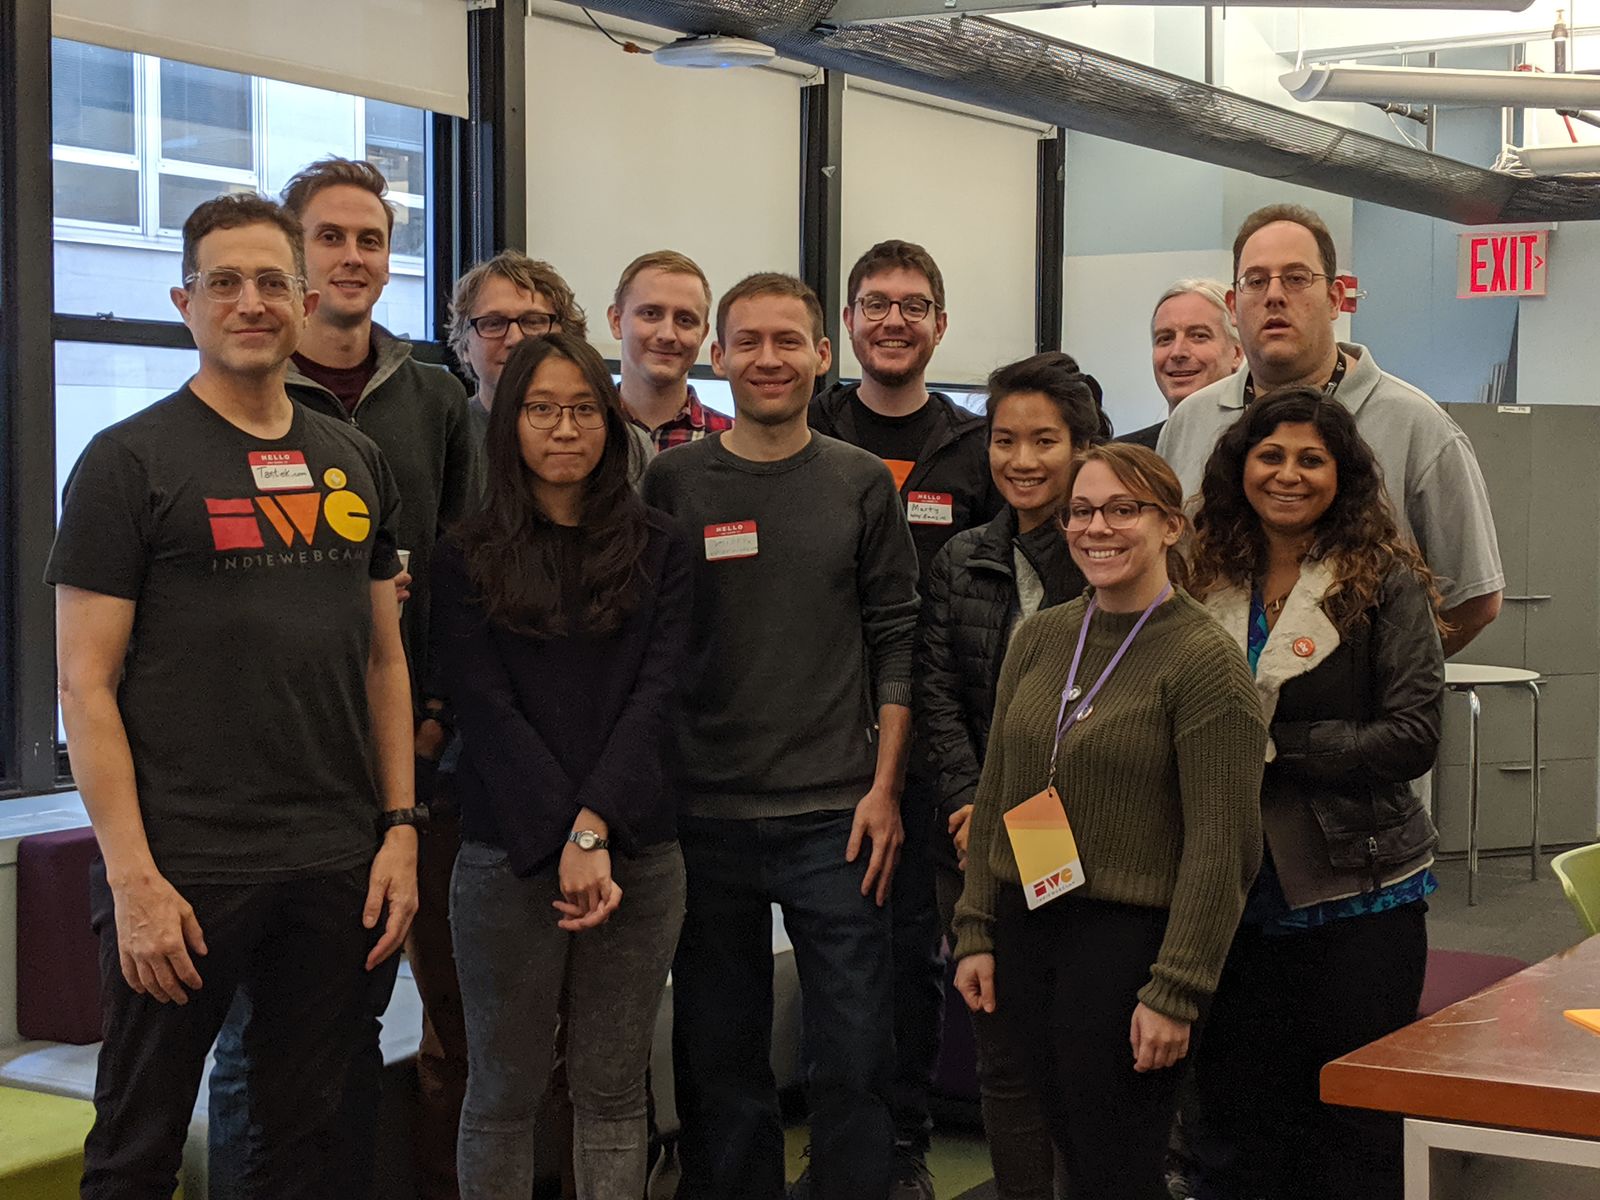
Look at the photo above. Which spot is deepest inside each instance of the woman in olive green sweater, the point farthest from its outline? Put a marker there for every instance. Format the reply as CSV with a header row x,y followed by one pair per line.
x,y
1158,771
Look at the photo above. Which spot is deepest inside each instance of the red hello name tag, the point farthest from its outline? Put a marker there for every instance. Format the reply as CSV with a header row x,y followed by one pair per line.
x,y
930,508
731,539
280,470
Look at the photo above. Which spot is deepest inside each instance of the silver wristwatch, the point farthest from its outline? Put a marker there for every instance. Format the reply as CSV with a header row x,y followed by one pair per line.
x,y
588,839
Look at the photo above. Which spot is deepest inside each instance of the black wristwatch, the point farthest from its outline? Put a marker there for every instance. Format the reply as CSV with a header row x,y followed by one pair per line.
x,y
417,815
588,839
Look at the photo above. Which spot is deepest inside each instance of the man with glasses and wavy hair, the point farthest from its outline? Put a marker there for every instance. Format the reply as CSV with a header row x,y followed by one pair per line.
x,y
246,758
1285,298
498,303
938,454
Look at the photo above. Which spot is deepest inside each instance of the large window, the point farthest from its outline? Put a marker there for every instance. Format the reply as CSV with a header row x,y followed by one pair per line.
x,y
139,141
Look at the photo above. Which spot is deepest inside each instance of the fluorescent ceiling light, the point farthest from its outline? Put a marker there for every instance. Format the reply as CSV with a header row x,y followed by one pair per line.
x,y
1575,159
1438,85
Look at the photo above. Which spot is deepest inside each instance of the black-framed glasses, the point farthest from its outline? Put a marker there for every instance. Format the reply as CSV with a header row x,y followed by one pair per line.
x,y
492,326
1118,514
586,414
1295,279
225,285
912,308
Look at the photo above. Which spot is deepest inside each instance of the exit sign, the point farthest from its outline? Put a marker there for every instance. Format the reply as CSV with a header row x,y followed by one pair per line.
x,y
1502,262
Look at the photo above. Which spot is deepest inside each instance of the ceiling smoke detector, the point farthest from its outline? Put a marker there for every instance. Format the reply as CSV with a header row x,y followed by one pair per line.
x,y
713,50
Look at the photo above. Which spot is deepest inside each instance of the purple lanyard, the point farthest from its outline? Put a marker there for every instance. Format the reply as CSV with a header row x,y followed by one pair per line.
x,y
1064,721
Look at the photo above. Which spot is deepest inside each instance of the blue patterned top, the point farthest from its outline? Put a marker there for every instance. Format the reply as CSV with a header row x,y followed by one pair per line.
x,y
1267,906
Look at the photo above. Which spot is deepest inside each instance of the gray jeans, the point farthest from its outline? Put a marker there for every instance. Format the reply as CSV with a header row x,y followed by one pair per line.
x,y
517,971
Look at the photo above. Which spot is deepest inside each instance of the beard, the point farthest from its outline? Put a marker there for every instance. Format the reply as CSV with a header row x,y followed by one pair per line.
x,y
898,379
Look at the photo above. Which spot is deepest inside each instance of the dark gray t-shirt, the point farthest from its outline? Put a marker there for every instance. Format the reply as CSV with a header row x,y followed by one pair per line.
x,y
244,689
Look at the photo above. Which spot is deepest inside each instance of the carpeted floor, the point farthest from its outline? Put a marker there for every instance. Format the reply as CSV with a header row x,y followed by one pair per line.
x,y
1515,915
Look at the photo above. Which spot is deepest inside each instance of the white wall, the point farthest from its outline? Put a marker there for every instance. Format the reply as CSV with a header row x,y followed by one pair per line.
x,y
963,186
625,157
1556,331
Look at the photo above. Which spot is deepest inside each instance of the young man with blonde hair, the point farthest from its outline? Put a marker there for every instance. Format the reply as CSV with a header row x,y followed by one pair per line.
x,y
661,314
791,752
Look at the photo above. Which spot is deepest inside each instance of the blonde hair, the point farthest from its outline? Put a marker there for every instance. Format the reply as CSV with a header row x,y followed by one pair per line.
x,y
668,261
528,274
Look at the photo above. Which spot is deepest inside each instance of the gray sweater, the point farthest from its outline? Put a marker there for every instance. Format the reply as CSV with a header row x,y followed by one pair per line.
x,y
795,646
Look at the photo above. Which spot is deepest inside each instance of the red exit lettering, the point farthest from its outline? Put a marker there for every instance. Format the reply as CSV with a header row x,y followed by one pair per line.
x,y
1503,264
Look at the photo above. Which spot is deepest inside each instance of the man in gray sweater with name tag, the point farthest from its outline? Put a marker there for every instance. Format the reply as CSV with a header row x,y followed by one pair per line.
x,y
790,759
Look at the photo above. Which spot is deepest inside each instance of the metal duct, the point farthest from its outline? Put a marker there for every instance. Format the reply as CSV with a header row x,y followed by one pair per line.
x,y
985,62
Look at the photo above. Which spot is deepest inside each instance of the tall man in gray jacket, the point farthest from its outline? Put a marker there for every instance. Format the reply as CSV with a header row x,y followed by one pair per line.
x,y
352,369
791,761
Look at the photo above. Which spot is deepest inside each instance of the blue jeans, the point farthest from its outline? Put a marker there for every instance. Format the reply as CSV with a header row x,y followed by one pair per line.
x,y
732,1145
918,971
233,1135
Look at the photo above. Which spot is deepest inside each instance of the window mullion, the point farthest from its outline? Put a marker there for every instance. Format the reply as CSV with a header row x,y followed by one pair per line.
x,y
150,145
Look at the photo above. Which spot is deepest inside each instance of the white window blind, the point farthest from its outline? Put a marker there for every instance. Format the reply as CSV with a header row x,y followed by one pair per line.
x,y
965,188
626,156
410,52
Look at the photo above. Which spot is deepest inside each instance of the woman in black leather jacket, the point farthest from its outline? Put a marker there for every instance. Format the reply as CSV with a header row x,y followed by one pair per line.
x,y
1297,555
981,586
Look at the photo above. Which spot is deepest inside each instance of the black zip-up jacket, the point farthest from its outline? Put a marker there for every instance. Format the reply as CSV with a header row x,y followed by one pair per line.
x,y
963,629
1354,719
955,460
417,414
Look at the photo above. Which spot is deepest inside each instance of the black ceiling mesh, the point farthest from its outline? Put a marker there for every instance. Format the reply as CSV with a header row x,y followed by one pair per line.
x,y
985,62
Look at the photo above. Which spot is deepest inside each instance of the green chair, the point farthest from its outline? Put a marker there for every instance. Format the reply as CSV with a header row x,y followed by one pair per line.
x,y
1579,872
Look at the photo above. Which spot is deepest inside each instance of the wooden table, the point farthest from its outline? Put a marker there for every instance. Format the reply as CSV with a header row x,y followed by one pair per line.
x,y
1505,1062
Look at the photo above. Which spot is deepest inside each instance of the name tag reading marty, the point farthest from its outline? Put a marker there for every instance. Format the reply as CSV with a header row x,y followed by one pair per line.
x,y
731,539
1046,851
280,470
930,508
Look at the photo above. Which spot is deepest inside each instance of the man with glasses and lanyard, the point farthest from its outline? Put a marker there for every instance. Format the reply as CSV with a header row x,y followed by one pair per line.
x,y
939,456
236,698
1286,296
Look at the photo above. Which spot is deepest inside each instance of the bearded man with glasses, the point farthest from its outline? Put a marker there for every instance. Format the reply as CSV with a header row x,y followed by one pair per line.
x,y
1285,299
245,759
939,457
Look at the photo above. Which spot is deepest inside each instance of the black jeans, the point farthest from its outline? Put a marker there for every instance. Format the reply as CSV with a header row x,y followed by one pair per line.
x,y
732,1145
1286,1006
1067,978
296,949
918,972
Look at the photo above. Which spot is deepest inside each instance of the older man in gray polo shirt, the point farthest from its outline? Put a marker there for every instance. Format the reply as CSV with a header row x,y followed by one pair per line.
x,y
1285,298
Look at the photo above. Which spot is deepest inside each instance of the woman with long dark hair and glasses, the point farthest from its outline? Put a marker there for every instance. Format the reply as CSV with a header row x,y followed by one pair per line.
x,y
1124,721
1297,555
561,613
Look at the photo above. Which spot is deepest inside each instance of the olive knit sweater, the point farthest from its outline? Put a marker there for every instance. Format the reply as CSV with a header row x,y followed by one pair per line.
x,y
1161,782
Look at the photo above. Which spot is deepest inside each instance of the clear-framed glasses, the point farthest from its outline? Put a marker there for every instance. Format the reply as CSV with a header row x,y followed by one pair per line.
x,y
1295,279
912,309
492,326
586,414
225,285
1118,514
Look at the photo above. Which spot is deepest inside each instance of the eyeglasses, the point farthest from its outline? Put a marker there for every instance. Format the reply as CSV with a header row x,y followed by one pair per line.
x,y
225,285
586,414
1295,279
912,309
1118,514
492,326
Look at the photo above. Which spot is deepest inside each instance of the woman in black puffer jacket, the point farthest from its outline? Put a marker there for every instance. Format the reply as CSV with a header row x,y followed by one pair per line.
x,y
981,586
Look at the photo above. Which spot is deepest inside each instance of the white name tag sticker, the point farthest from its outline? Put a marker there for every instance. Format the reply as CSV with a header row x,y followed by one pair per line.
x,y
730,539
930,508
280,471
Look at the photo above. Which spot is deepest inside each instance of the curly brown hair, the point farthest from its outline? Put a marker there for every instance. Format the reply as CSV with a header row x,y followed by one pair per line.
x,y
1357,536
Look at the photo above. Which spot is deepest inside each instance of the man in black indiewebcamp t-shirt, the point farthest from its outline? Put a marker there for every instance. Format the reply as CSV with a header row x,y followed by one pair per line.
x,y
939,456
238,714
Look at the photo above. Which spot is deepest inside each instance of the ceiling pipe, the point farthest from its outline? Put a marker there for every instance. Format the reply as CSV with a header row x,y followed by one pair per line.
x,y
981,61
1444,85
855,12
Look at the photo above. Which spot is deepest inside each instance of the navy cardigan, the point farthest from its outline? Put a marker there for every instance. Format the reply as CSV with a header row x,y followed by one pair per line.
x,y
552,725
